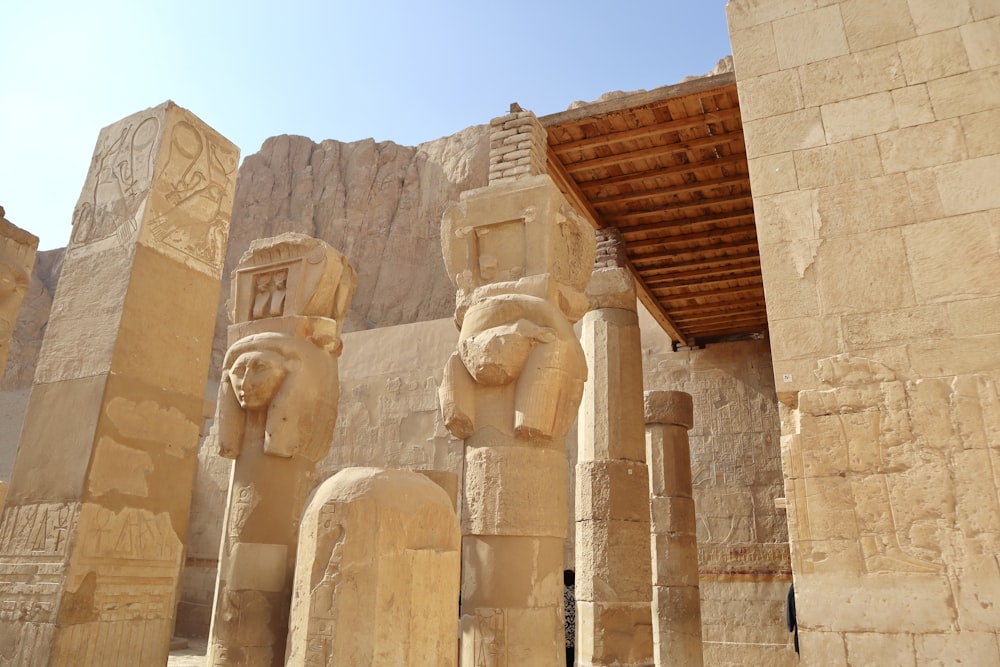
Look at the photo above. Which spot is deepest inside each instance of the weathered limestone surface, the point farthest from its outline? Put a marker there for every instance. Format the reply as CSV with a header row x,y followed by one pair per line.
x,y
613,580
377,573
744,565
92,535
677,622
520,258
874,153
276,412
17,258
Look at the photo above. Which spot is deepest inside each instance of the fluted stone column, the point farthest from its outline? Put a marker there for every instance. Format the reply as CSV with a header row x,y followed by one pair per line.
x,y
520,257
676,598
613,578
277,410
92,536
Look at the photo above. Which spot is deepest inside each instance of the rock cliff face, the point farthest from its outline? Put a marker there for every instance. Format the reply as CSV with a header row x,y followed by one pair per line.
x,y
378,203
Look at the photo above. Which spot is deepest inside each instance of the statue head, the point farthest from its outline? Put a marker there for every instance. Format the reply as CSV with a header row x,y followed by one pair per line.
x,y
256,376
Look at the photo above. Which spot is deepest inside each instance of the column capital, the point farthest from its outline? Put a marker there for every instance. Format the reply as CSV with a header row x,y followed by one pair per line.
x,y
674,408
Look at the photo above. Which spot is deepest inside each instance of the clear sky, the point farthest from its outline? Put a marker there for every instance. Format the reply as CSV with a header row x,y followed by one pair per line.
x,y
395,70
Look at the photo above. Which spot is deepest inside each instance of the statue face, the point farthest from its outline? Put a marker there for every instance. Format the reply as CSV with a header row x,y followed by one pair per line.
x,y
256,377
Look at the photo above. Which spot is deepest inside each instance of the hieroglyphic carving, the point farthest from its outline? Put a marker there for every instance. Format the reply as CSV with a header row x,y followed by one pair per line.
x,y
121,174
197,180
490,643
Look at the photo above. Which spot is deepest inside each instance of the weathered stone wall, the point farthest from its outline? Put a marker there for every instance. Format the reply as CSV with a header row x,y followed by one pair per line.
x,y
743,560
874,150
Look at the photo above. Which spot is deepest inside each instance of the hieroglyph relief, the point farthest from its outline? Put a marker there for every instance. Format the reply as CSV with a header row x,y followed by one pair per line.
x,y
120,177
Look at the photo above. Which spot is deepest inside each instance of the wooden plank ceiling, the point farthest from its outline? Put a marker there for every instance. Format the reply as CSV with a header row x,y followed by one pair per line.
x,y
668,168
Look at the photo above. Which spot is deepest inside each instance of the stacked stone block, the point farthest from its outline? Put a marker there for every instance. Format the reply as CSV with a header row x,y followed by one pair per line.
x,y
517,147
871,132
92,536
613,593
676,597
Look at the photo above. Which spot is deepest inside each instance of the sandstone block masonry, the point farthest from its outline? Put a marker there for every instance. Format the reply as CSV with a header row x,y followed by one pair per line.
x,y
874,149
92,537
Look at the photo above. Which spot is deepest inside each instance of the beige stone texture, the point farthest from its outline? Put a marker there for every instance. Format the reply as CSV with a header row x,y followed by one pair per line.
x,y
770,95
930,16
913,106
91,549
858,207
791,283
981,135
935,248
276,412
621,634
788,132
922,146
746,14
975,316
933,56
874,23
858,117
969,185
754,48
967,93
842,162
810,37
874,264
775,173
842,78
984,9
794,216
982,43
17,258
377,573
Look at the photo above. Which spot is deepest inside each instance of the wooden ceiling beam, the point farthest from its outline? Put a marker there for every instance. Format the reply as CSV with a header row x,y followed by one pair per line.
x,y
676,222
667,299
684,206
733,160
676,125
715,140
703,278
670,190
678,257
709,266
665,242
719,309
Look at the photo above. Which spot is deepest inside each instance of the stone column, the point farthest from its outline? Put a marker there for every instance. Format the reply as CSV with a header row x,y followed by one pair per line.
x,y
377,577
17,259
676,598
277,409
92,537
613,577
520,257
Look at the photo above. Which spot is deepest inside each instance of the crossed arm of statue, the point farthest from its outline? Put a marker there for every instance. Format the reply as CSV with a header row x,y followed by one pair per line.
x,y
287,383
521,340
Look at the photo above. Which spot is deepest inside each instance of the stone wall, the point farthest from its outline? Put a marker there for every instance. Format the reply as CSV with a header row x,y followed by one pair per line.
x,y
743,559
872,135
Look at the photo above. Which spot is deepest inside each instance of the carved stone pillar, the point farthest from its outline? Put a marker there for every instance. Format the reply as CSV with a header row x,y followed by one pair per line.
x,y
378,572
520,257
277,409
676,597
17,259
613,577
92,537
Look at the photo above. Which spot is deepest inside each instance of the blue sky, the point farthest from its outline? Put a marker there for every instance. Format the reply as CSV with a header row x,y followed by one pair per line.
x,y
396,71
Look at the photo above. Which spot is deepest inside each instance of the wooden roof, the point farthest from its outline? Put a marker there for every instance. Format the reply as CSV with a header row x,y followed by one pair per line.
x,y
668,168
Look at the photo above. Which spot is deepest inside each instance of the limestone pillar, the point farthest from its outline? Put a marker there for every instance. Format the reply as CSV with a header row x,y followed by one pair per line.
x,y
613,577
92,537
676,598
377,577
520,257
17,259
277,409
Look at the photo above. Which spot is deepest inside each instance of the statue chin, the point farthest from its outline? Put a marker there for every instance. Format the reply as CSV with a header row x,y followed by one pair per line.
x,y
496,356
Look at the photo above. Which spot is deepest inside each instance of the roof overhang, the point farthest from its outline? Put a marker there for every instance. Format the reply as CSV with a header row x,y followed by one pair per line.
x,y
668,169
